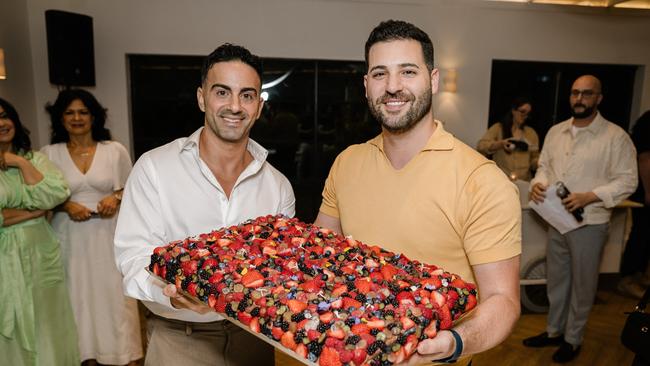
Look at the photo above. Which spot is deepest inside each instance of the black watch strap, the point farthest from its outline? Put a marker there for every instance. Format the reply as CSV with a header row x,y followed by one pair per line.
x,y
457,352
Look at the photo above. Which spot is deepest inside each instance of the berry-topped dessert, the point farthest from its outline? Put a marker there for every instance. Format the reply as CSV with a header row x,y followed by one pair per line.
x,y
330,299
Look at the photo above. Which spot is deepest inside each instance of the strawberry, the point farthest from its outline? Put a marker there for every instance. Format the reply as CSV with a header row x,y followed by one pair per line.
x,y
410,346
376,277
431,283
376,324
397,356
359,356
405,298
191,288
430,331
329,357
339,290
438,299
335,343
407,323
215,278
326,317
313,334
296,306
244,317
252,279
458,283
452,297
189,267
336,332
360,328
277,333
255,325
287,341
301,350
159,250
212,300
346,356
388,271
471,302
313,286
337,304
362,285
445,317
348,303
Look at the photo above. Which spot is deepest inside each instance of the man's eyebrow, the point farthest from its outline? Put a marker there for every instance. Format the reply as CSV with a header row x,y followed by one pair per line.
x,y
217,85
226,87
406,64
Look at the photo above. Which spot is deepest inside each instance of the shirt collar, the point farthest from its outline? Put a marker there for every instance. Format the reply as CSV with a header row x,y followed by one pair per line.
x,y
258,152
596,125
440,140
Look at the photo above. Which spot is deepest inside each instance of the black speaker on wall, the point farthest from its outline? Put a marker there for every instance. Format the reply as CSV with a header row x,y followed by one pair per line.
x,y
70,50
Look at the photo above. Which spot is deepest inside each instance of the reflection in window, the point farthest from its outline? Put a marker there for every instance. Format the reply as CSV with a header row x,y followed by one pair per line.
x,y
314,109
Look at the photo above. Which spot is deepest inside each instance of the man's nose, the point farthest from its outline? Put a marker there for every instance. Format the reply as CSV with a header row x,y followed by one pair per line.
x,y
393,84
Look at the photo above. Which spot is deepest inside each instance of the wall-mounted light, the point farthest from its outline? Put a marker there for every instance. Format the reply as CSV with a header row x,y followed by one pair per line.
x,y
449,80
3,71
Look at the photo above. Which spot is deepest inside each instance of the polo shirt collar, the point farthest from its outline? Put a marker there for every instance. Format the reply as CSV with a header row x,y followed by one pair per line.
x,y
440,140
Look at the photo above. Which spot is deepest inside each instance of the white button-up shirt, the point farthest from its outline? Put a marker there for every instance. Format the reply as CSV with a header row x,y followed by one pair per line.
x,y
601,158
171,194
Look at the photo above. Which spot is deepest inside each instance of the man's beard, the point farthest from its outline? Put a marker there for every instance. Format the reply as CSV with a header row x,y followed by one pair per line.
x,y
588,111
420,106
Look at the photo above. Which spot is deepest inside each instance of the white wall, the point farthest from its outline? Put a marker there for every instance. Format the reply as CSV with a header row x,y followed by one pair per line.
x,y
18,88
467,35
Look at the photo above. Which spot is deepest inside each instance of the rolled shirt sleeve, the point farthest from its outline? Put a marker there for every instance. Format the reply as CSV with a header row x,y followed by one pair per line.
x,y
139,230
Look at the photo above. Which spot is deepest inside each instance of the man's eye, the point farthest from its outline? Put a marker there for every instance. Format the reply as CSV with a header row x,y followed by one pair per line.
x,y
409,72
222,93
378,75
247,96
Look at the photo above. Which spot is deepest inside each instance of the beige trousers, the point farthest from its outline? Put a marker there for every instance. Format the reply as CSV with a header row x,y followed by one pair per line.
x,y
173,342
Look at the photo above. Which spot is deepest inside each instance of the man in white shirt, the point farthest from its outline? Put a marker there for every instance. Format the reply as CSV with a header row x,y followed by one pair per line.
x,y
216,177
596,160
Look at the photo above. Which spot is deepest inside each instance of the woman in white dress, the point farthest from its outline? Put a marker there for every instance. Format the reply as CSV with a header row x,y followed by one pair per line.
x,y
96,169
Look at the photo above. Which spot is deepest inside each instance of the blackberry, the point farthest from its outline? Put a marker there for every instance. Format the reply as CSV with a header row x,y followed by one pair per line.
x,y
170,276
350,285
284,325
255,311
323,327
264,235
389,312
372,348
315,347
401,339
416,320
350,321
298,317
230,312
360,298
374,331
186,282
205,275
354,339
241,306
299,336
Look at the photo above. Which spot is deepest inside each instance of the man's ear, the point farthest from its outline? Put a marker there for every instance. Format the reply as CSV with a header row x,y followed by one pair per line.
x,y
365,84
435,81
199,98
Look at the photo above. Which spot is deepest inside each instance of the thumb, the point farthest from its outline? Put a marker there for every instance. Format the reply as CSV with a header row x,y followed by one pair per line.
x,y
171,291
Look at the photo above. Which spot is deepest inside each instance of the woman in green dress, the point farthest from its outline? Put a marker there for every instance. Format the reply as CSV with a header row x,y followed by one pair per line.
x,y
36,322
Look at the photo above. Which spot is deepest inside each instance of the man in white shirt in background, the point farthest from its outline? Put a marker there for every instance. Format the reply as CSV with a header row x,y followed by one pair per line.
x,y
596,160
216,177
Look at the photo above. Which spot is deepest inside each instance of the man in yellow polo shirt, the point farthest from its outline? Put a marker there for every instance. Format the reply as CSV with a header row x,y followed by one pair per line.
x,y
417,190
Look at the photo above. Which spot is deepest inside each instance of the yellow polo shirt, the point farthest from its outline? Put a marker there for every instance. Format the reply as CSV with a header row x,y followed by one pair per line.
x,y
449,206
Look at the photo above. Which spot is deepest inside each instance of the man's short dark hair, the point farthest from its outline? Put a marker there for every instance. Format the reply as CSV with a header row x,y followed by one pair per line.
x,y
230,52
392,30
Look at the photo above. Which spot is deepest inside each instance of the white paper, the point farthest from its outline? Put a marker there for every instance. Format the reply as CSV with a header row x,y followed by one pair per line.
x,y
553,211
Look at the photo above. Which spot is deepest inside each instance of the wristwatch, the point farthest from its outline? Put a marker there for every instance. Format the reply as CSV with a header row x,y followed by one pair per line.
x,y
457,352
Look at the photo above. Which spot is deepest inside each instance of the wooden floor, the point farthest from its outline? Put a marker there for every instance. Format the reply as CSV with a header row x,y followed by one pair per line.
x,y
601,346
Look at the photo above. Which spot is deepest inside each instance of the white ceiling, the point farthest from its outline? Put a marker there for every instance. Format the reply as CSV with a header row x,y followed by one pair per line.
x,y
631,4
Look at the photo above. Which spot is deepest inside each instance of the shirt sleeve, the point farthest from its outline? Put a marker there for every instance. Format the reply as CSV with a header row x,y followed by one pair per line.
x,y
623,173
491,135
491,222
288,199
139,230
51,191
329,205
543,163
121,165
